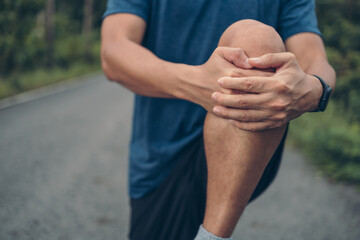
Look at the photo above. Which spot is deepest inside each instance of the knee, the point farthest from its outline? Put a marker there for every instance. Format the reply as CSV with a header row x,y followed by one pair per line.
x,y
253,36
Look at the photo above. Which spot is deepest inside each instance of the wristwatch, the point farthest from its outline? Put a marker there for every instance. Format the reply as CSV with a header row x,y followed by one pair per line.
x,y
325,95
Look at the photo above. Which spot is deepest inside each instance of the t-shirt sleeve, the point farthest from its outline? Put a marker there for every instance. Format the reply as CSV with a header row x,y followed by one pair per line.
x,y
297,16
137,7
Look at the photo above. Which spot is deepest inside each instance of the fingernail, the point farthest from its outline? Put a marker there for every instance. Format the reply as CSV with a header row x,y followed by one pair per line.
x,y
216,110
221,82
255,60
214,95
247,63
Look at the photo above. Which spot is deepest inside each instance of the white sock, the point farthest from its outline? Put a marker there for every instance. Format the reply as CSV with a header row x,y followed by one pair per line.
x,y
205,235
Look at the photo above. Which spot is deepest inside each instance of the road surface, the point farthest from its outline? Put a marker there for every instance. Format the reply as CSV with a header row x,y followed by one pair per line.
x,y
63,175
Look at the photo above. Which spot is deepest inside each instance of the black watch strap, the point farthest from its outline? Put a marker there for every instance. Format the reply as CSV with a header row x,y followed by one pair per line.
x,y
324,97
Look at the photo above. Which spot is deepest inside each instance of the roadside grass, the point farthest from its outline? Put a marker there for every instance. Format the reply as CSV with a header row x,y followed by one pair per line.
x,y
330,142
42,77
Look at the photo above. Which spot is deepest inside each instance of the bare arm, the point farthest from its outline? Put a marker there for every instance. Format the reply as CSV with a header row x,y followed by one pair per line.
x,y
310,53
124,60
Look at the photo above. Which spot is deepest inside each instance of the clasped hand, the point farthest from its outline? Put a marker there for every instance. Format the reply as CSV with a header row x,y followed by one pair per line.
x,y
258,103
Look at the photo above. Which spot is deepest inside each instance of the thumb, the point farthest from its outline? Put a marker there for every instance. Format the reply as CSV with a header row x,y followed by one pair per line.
x,y
236,56
273,60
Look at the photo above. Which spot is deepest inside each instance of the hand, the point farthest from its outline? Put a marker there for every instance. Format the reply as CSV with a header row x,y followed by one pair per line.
x,y
225,61
268,102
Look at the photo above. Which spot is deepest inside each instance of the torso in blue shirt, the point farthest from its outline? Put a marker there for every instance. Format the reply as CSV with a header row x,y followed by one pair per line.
x,y
187,31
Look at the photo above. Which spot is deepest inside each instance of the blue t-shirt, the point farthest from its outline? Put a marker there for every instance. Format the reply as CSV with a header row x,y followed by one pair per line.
x,y
187,31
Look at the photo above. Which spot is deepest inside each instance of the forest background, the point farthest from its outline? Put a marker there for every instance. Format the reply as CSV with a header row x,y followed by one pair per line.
x,y
45,41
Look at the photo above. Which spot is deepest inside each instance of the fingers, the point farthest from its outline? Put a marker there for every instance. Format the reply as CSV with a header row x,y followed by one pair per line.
x,y
240,115
235,56
255,126
273,60
247,84
240,72
250,120
240,101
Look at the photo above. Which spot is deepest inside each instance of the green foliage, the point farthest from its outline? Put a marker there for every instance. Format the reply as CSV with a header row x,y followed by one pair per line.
x,y
331,142
332,139
71,49
18,31
23,48
341,33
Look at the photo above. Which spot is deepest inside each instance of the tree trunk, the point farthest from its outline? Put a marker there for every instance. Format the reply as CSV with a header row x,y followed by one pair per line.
x,y
350,9
49,31
87,29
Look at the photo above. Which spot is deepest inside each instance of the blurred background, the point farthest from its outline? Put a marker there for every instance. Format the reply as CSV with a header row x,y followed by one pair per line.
x,y
63,158
44,41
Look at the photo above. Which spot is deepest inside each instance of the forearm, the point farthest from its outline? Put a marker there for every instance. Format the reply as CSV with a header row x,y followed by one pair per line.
x,y
139,70
311,56
126,61
322,69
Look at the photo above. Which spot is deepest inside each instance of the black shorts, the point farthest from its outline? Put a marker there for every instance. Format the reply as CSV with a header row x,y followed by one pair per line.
x,y
175,210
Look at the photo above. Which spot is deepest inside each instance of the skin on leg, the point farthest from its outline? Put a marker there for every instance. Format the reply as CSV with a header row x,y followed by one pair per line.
x,y
236,158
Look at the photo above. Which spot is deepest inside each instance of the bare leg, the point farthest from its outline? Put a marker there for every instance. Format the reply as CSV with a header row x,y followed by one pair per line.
x,y
236,159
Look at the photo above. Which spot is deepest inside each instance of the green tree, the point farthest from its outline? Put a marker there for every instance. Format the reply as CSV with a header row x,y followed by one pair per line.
x,y
50,31
18,33
87,28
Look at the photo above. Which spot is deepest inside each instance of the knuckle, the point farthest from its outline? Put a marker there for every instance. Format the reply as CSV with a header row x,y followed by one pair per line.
x,y
240,51
229,73
252,128
269,57
280,117
236,73
283,87
242,103
279,105
245,117
291,55
248,85
218,50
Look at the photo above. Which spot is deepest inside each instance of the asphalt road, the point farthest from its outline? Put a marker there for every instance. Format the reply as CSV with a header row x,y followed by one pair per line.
x,y
63,172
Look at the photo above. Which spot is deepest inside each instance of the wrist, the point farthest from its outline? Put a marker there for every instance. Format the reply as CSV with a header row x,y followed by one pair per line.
x,y
187,84
174,77
316,90
327,90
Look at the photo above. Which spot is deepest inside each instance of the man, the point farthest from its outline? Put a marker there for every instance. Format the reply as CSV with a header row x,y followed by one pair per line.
x,y
165,51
